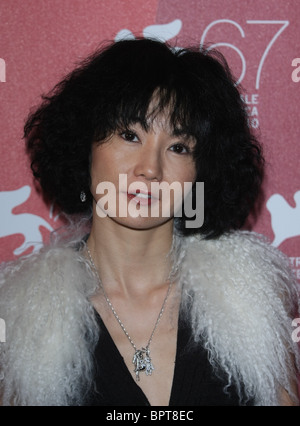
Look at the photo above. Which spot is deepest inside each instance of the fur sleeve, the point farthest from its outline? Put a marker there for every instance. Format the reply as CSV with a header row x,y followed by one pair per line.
x,y
50,328
245,298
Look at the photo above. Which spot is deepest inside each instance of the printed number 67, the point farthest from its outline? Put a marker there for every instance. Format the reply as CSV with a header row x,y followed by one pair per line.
x,y
266,51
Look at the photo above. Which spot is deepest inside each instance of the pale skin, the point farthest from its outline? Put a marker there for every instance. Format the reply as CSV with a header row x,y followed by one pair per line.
x,y
130,253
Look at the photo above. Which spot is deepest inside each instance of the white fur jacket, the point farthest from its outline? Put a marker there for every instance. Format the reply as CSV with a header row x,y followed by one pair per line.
x,y
244,300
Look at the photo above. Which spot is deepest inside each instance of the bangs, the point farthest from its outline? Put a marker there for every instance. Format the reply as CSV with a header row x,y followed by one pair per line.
x,y
175,104
152,83
163,102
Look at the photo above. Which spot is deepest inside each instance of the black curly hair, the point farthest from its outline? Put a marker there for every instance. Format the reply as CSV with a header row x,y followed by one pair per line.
x,y
112,89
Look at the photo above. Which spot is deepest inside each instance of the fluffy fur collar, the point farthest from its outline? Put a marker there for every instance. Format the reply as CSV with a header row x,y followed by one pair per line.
x,y
244,298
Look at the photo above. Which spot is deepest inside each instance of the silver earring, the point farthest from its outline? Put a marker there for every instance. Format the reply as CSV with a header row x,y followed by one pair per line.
x,y
82,196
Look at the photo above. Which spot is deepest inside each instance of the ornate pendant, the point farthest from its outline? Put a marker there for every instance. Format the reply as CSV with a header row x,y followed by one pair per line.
x,y
142,362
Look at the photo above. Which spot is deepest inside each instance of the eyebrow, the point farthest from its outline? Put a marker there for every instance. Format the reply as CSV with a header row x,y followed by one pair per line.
x,y
183,134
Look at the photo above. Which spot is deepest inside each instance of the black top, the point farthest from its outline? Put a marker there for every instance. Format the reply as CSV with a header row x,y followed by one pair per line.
x,y
194,382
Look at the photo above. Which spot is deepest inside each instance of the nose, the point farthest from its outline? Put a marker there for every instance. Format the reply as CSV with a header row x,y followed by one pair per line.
x,y
149,164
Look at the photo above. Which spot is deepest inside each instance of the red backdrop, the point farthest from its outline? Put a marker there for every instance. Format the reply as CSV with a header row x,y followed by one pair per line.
x,y
41,40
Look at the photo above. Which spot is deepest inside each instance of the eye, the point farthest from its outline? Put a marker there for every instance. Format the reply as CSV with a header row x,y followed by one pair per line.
x,y
129,136
180,148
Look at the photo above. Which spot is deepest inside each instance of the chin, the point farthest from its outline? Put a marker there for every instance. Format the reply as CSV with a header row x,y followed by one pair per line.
x,y
142,223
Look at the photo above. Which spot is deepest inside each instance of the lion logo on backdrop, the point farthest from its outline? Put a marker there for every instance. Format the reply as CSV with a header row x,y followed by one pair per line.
x,y
285,219
27,224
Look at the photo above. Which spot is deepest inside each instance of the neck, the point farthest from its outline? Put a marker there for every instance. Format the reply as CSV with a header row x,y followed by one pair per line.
x,y
129,260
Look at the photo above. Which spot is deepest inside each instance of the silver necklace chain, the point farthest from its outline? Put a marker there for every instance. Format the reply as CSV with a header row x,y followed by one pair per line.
x,y
141,358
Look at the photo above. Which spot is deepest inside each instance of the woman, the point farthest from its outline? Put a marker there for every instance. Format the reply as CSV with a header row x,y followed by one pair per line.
x,y
145,304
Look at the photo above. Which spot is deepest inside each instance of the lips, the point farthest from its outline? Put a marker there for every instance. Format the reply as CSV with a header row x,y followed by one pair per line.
x,y
143,198
140,194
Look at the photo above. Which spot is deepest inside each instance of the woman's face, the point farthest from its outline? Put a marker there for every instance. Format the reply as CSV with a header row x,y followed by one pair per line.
x,y
135,169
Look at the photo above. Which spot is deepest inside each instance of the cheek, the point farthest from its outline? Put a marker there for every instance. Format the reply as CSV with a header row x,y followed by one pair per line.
x,y
102,164
192,173
187,173
187,178
99,171
184,177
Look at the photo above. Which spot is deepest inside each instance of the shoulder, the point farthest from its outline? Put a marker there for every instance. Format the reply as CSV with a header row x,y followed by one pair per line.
x,y
242,245
49,260
58,275
242,259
